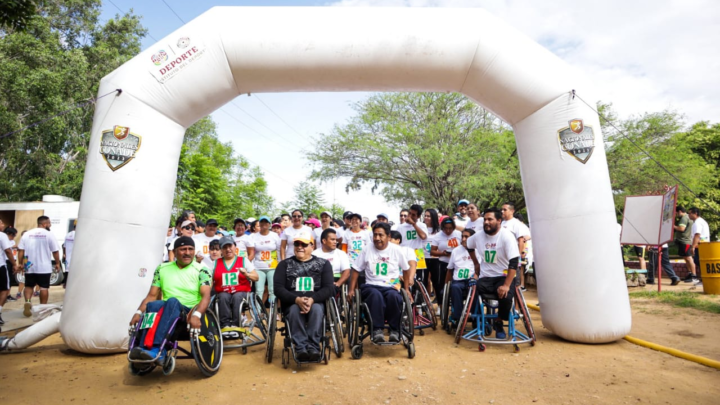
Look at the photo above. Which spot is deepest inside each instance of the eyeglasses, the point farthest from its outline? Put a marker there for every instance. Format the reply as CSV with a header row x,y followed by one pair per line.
x,y
190,227
297,216
298,244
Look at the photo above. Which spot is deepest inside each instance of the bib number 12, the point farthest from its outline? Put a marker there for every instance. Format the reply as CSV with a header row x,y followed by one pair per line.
x,y
230,279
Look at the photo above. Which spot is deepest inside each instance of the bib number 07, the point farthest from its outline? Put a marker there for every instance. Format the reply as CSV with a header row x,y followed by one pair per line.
x,y
490,256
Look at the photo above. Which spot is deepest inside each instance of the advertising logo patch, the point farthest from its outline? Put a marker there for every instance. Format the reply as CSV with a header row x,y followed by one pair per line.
x,y
118,146
159,57
577,140
181,53
183,42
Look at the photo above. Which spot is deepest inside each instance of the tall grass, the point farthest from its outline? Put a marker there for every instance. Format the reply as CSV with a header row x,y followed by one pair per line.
x,y
683,299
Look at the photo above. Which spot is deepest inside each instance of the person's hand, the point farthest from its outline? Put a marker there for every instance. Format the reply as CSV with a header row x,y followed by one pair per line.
x,y
472,282
18,268
503,291
57,267
133,323
350,294
308,304
194,326
409,221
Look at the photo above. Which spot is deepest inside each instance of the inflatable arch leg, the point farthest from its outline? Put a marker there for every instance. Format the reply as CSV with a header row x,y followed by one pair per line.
x,y
126,202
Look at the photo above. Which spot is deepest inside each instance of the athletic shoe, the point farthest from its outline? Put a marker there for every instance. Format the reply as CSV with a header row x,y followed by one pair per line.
x,y
313,355
438,312
18,296
394,337
244,320
500,331
523,289
689,278
378,337
1,320
650,282
28,307
675,281
11,298
302,356
36,294
135,353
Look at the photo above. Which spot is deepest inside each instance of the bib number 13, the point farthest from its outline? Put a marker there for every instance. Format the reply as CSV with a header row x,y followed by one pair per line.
x,y
304,284
490,256
381,269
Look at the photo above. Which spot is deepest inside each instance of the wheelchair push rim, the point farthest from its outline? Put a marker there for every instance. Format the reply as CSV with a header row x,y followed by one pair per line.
x,y
207,347
272,330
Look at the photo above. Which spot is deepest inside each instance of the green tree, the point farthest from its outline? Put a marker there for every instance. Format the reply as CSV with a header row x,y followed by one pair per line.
x,y
433,148
54,63
704,140
310,199
15,14
215,182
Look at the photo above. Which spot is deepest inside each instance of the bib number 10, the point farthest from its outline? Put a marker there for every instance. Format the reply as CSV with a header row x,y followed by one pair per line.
x,y
490,256
381,269
304,284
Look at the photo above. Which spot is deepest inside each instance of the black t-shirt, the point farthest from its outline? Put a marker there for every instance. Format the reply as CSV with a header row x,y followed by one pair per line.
x,y
289,270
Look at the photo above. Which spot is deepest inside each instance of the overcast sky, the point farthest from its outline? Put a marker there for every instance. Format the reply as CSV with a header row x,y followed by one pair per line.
x,y
643,56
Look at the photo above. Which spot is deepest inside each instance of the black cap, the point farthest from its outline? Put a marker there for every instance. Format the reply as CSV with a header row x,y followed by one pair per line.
x,y
199,223
211,222
353,214
239,220
184,241
346,214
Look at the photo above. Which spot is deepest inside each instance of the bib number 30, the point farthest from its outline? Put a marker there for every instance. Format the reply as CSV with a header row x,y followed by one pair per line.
x,y
304,284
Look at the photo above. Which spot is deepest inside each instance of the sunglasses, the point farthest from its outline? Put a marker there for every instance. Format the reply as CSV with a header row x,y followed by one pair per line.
x,y
189,227
297,216
298,244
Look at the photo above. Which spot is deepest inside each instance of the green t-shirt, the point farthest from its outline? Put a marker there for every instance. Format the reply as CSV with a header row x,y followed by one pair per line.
x,y
684,237
183,284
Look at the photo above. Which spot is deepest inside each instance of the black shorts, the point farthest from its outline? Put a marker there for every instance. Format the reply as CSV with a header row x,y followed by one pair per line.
x,y
684,250
4,278
639,251
42,280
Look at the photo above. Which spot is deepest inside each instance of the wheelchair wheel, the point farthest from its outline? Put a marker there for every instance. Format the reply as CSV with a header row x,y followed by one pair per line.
x,y
335,327
445,309
427,306
356,352
407,324
525,313
467,311
344,309
260,315
140,369
354,336
411,350
285,357
169,365
207,348
272,330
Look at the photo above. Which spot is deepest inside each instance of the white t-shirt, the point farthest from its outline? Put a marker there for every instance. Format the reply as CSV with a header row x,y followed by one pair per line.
x,y
410,238
515,226
39,244
317,233
243,242
356,243
476,225
410,254
289,234
428,245
267,250
461,264
494,252
382,267
202,248
338,259
69,244
525,231
446,242
460,221
4,244
701,226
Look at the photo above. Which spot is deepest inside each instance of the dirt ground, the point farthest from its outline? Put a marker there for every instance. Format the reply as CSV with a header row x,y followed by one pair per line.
x,y
552,372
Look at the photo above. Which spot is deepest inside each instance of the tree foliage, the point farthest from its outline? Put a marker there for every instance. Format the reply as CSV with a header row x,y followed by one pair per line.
x,y
15,14
54,63
310,199
433,148
215,182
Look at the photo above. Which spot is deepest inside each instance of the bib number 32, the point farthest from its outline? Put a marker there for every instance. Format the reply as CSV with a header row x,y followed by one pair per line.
x,y
304,284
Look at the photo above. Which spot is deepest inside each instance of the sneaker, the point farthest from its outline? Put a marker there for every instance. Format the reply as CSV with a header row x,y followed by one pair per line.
x,y
651,282
1,320
135,353
302,355
438,312
500,331
394,337
11,298
148,354
689,278
243,320
313,355
27,311
378,337
18,296
675,281
36,294
523,289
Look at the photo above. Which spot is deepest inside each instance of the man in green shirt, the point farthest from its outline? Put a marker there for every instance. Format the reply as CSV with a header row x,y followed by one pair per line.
x,y
684,240
184,284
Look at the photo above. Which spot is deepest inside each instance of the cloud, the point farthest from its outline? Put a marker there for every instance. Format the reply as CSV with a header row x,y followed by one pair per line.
x,y
643,56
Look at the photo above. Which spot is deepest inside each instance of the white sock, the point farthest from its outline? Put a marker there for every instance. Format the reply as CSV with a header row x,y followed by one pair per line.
x,y
0,308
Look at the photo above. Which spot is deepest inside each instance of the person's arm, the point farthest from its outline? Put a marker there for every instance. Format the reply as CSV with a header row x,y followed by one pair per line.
x,y
193,319
11,258
512,271
327,285
409,275
152,296
56,256
682,224
435,251
476,263
344,276
420,231
171,255
251,253
353,283
21,261
251,275
521,246
283,247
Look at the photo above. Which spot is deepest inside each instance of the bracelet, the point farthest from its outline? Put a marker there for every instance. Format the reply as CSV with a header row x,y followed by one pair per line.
x,y
197,314
138,312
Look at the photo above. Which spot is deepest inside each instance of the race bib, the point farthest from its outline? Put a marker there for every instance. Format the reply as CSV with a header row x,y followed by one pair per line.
x,y
230,279
463,274
411,235
490,256
269,258
381,269
357,245
453,243
304,284
421,265
148,320
428,247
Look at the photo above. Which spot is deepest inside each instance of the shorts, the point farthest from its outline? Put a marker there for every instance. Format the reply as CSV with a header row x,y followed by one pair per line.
x,y
684,250
42,280
4,278
639,251
65,277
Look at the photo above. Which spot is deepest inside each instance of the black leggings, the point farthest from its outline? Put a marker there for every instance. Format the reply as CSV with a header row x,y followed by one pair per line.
x,y
438,270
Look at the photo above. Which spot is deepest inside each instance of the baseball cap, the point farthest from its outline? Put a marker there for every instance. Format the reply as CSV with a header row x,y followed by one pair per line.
x,y
303,237
276,225
314,221
199,223
346,213
186,223
461,202
226,240
183,241
235,222
251,219
353,214
326,213
211,222
384,216
264,218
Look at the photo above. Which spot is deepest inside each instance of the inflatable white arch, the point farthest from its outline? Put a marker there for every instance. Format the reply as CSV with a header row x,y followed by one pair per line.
x,y
130,176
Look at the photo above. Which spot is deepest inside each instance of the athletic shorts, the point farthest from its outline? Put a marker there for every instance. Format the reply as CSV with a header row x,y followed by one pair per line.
x,y
4,278
42,280
684,250
639,251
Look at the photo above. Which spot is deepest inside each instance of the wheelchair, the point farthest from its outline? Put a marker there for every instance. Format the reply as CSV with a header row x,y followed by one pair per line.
x,y
343,307
206,349
257,319
424,315
331,341
362,326
483,313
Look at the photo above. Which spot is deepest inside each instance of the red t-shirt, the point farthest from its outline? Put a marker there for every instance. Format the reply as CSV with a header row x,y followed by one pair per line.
x,y
230,280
